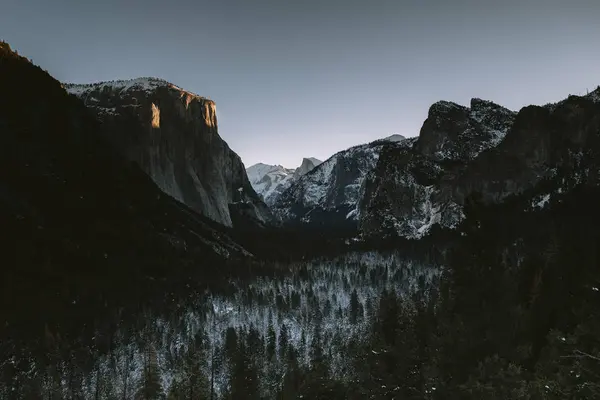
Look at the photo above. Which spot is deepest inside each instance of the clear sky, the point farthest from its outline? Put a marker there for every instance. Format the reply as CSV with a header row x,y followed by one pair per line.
x,y
307,78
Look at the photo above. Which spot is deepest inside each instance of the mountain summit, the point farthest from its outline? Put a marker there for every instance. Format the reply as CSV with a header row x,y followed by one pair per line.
x,y
486,150
328,195
172,135
269,181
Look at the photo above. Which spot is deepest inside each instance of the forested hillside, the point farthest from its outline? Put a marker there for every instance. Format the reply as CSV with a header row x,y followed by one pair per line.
x,y
111,289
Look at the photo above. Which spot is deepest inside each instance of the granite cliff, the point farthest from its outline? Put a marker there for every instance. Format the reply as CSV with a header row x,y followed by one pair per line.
x,y
270,181
328,195
486,151
72,210
172,135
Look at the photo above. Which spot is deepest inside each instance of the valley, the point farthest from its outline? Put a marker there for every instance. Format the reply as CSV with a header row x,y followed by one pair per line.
x,y
145,261
324,304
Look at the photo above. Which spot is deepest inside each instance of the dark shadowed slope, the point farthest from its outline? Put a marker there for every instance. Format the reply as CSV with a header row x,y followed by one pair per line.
x,y
78,222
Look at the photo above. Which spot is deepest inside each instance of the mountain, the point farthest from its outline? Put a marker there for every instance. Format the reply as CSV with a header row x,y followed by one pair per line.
x,y
328,195
308,164
74,215
110,288
172,135
394,138
485,150
269,181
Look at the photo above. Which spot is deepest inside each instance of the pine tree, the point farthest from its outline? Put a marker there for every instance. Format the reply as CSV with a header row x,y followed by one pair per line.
x,y
283,340
292,376
255,344
355,307
151,388
194,383
244,377
271,345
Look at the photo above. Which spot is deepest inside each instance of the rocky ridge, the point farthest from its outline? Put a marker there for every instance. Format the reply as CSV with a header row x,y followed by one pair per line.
x,y
172,135
269,181
485,150
329,194
69,200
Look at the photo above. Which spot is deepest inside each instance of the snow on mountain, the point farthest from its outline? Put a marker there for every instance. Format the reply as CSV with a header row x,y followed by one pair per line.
x,y
486,150
407,195
172,134
258,171
146,84
269,181
330,193
453,132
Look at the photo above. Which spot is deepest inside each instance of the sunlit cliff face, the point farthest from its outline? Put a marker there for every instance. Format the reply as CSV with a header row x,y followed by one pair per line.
x,y
155,116
172,135
210,114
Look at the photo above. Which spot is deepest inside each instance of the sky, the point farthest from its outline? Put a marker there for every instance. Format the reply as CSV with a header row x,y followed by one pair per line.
x,y
308,78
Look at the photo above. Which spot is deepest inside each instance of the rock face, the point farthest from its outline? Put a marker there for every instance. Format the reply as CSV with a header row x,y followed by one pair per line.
x,y
172,135
328,195
71,207
394,138
455,133
486,150
269,181
308,164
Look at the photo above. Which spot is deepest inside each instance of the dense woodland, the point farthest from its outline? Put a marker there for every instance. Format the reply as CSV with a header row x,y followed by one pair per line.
x,y
513,314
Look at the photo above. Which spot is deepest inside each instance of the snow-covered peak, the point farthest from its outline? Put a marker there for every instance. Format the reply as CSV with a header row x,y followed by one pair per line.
x,y
332,190
146,84
257,171
270,181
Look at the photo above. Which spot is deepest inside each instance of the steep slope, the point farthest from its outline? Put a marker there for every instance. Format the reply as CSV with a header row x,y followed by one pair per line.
x,y
328,195
75,216
308,164
487,150
269,181
453,132
172,135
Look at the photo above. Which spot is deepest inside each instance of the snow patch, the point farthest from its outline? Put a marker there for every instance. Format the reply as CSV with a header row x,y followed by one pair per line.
x,y
540,202
146,84
352,214
270,181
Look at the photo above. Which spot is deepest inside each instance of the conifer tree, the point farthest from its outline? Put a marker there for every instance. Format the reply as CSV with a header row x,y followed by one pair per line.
x,y
151,388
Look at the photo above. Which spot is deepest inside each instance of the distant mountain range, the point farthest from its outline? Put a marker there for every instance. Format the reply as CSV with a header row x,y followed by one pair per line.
x,y
120,197
408,187
269,181
329,193
393,186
